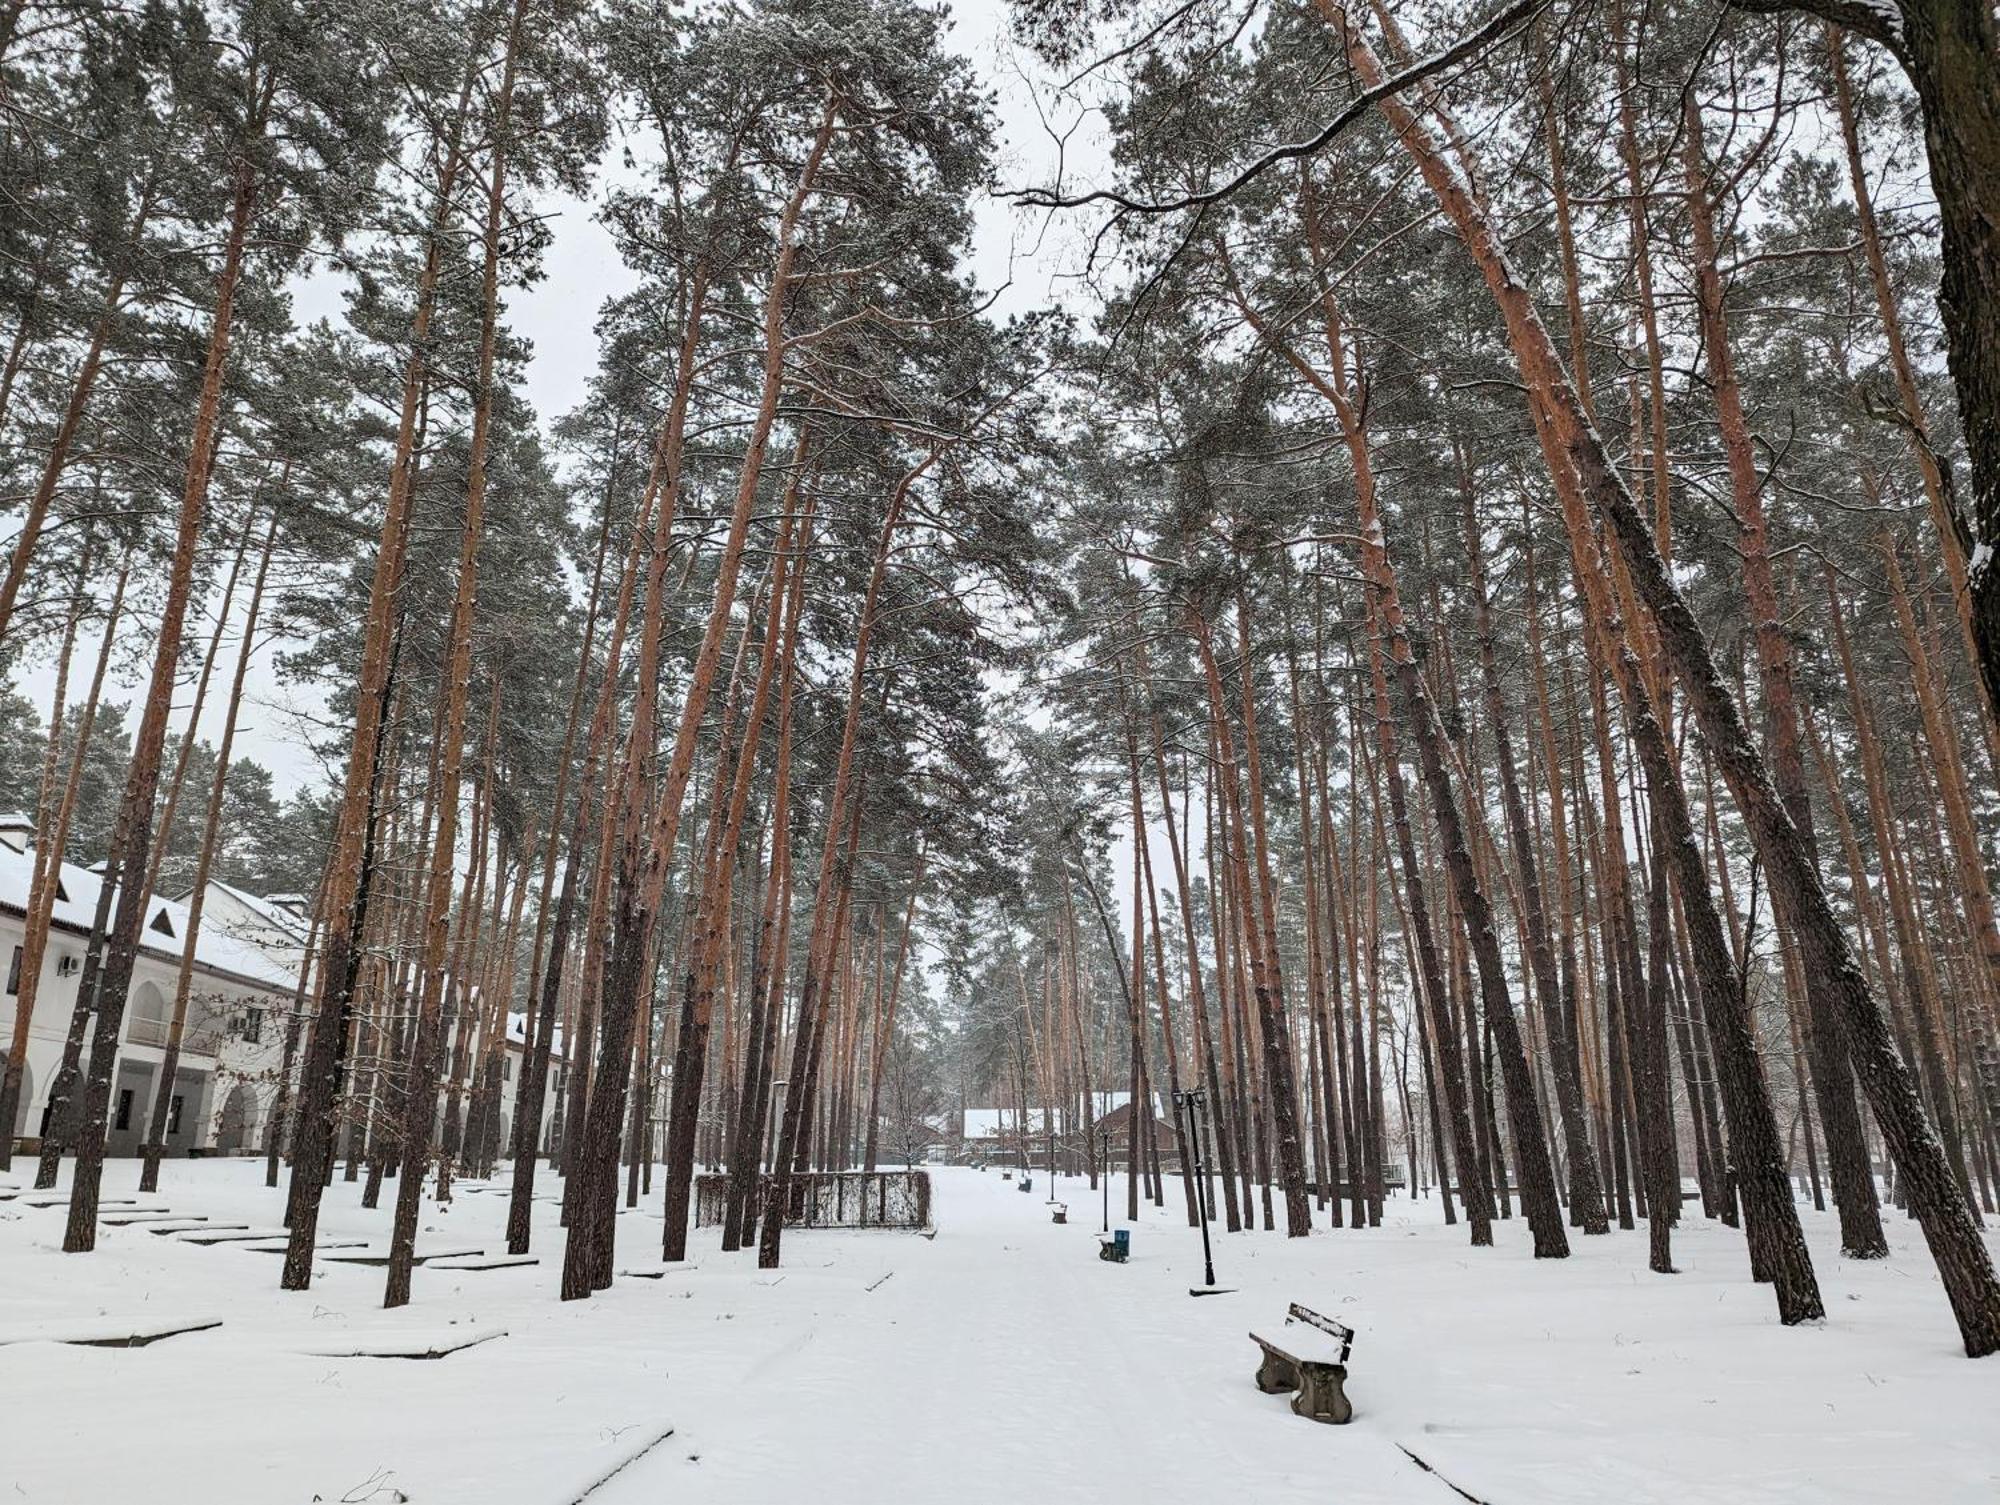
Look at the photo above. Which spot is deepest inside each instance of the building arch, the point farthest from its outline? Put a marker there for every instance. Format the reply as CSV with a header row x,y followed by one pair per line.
x,y
149,1015
236,1126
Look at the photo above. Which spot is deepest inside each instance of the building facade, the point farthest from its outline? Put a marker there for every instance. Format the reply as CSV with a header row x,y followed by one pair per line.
x,y
241,994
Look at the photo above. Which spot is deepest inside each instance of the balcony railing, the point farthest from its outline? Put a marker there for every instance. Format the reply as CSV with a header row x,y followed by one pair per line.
x,y
201,1037
145,1031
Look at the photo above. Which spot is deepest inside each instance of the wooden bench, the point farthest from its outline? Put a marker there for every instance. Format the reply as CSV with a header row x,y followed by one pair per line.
x,y
1309,1357
1116,1246
1058,1212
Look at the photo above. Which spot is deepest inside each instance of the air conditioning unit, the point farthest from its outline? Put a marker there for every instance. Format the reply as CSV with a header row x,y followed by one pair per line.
x,y
68,964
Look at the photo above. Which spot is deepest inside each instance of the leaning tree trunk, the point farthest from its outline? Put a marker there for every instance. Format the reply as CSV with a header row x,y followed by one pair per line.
x,y
1950,1229
1861,1235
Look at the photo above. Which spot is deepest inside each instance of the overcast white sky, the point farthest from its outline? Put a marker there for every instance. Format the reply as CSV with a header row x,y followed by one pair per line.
x,y
1033,261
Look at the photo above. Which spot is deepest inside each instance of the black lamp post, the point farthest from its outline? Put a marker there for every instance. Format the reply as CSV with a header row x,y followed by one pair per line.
x,y
1193,1100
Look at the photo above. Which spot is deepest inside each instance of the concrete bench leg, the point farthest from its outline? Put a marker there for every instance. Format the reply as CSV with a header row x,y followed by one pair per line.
x,y
1322,1394
1276,1374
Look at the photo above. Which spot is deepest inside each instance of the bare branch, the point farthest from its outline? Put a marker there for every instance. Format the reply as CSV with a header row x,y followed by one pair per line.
x,y
1504,22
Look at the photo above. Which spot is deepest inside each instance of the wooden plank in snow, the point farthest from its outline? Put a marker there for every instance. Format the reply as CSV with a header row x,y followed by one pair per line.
x,y
481,1261
228,1233
364,1254
417,1343
107,1332
149,1215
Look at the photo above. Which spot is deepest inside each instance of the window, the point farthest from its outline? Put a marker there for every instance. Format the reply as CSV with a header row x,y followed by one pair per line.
x,y
174,1115
14,972
507,1070
162,923
252,1029
124,1119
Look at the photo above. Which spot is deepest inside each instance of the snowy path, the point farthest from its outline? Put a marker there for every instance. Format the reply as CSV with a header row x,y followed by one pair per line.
x,y
1005,1361
1000,1361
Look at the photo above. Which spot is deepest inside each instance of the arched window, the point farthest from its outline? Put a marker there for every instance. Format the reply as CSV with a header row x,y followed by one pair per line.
x,y
236,1127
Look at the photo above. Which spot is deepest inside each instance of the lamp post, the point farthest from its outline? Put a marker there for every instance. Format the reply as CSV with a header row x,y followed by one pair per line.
x,y
1193,1100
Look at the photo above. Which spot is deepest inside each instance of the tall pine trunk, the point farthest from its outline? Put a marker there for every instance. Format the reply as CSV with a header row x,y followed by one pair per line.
x,y
136,808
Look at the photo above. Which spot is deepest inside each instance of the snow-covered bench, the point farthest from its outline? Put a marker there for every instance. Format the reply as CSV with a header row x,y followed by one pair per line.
x,y
1310,1357
1059,1212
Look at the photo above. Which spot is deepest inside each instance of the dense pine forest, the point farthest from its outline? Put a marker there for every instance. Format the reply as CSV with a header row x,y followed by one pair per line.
x,y
1462,632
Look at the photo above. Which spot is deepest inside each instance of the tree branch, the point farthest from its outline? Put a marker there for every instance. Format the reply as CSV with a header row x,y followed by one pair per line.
x,y
1878,20
1507,20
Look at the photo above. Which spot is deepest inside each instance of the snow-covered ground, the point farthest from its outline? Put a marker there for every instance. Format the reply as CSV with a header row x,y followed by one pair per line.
x,y
1001,1361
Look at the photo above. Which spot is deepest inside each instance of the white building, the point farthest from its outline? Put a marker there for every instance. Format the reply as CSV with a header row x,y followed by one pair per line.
x,y
272,926
514,1071
242,990
992,1124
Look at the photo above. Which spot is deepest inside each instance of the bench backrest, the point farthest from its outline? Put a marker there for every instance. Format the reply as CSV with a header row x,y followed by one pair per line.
x,y
1339,1331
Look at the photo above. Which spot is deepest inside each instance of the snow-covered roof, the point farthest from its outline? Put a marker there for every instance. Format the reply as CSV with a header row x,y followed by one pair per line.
x,y
267,910
517,1035
992,1123
76,906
